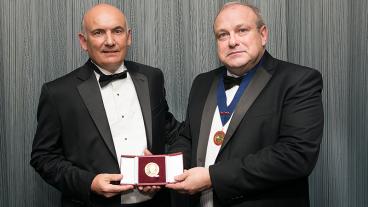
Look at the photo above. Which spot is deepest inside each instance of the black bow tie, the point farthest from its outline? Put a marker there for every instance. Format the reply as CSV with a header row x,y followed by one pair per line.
x,y
106,79
230,82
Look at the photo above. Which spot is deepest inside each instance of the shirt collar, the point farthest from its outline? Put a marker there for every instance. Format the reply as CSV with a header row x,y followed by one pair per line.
x,y
121,68
228,73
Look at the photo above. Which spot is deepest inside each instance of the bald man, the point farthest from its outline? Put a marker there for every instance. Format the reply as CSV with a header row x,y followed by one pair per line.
x,y
106,108
253,126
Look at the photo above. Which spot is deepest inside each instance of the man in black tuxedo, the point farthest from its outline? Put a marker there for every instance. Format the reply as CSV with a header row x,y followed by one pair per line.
x,y
253,127
108,107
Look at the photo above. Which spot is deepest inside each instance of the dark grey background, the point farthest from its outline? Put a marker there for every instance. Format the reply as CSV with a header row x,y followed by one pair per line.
x,y
38,43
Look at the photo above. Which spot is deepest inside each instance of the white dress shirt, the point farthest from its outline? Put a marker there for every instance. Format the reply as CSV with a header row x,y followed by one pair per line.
x,y
213,149
126,123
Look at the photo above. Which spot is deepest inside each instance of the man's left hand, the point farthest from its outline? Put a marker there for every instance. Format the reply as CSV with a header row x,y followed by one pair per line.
x,y
192,181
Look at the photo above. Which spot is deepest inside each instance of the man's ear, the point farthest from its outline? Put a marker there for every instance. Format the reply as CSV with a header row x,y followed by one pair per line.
x,y
129,33
83,41
264,34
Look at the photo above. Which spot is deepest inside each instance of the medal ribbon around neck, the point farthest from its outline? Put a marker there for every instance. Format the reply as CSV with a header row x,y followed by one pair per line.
x,y
227,110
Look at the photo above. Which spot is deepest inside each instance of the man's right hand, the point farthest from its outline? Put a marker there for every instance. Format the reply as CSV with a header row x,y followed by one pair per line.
x,y
101,185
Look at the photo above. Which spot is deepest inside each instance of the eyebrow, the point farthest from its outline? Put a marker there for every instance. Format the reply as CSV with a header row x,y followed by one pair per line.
x,y
117,27
236,26
243,25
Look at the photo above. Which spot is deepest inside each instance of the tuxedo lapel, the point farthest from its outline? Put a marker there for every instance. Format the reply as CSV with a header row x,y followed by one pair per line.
x,y
206,122
91,96
141,87
250,94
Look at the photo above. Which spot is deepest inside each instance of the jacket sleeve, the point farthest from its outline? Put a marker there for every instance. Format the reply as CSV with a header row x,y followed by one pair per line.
x,y
182,142
294,154
47,155
172,126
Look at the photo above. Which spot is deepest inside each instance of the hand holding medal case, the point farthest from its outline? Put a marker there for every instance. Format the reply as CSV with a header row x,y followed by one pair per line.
x,y
151,169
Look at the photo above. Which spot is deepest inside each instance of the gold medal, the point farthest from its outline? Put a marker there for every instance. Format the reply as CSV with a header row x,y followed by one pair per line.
x,y
152,169
218,138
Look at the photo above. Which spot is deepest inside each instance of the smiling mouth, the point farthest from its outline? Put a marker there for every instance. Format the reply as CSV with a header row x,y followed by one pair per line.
x,y
109,51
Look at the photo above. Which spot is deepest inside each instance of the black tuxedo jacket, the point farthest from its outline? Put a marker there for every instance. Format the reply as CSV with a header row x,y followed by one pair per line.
x,y
272,142
73,142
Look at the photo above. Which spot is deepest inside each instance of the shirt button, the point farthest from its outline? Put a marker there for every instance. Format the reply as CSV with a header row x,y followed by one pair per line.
x,y
125,138
117,94
122,116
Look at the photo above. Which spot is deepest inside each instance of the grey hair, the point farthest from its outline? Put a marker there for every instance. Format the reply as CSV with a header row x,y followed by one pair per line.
x,y
260,22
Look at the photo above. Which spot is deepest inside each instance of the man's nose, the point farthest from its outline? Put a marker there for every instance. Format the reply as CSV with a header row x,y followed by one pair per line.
x,y
109,41
233,40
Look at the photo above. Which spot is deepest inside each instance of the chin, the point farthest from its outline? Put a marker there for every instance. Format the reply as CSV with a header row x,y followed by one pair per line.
x,y
113,61
238,62
237,65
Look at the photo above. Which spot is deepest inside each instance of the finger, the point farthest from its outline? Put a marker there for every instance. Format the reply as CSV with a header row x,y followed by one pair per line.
x,y
109,195
107,190
147,152
119,188
176,186
126,187
155,187
115,177
142,188
147,189
181,177
169,186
